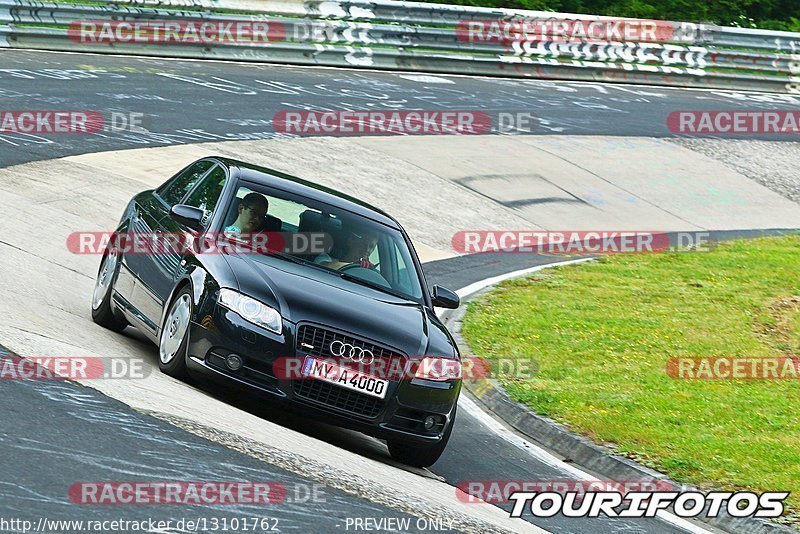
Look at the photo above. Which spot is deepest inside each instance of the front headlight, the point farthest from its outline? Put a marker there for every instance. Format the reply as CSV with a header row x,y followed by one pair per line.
x,y
437,368
251,310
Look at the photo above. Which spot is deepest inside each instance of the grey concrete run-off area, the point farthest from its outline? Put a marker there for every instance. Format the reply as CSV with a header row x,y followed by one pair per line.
x,y
772,164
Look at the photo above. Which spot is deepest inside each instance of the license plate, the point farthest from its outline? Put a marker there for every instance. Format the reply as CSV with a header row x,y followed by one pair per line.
x,y
344,377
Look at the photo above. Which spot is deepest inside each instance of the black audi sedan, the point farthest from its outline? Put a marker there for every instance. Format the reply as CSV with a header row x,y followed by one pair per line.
x,y
313,326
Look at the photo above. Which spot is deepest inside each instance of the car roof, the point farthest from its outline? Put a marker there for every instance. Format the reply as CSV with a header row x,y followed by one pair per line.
x,y
299,186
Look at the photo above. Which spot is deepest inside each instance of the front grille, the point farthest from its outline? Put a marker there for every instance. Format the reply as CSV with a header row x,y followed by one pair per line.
x,y
338,397
329,394
321,339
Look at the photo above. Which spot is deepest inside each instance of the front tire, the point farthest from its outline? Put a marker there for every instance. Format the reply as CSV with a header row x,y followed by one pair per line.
x,y
420,455
102,307
173,341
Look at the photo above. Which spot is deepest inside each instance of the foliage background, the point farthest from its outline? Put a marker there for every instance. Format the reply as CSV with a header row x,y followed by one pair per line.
x,y
765,14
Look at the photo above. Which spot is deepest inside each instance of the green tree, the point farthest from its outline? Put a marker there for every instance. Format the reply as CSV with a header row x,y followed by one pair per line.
x,y
768,14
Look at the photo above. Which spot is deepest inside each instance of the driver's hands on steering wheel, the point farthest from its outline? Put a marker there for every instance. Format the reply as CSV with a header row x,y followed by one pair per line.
x,y
362,263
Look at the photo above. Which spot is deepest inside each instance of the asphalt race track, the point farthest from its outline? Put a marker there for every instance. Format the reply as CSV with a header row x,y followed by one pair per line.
x,y
54,434
98,438
190,102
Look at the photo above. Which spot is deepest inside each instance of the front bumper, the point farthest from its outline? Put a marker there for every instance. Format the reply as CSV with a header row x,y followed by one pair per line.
x,y
399,416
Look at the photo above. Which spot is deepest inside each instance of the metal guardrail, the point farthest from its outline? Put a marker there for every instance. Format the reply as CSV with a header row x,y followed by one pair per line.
x,y
416,36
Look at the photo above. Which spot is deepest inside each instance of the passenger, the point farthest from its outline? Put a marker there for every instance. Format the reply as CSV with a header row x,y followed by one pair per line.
x,y
359,245
252,210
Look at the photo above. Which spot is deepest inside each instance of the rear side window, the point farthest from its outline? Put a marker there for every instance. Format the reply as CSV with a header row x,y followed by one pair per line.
x,y
206,195
174,190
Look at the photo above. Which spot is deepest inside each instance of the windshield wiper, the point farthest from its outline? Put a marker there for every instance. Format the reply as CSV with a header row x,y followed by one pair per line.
x,y
295,259
289,257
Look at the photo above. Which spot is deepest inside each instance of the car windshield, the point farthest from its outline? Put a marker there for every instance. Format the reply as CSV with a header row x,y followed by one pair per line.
x,y
324,237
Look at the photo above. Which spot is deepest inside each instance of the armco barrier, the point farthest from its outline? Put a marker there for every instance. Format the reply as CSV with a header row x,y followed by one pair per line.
x,y
441,38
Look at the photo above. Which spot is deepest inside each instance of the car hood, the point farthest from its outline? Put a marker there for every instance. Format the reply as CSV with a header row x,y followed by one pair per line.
x,y
304,293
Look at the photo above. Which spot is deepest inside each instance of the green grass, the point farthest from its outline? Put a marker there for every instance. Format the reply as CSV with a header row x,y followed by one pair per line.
x,y
601,333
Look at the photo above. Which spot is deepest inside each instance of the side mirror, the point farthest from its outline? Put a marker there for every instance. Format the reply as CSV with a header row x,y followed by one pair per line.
x,y
444,298
188,216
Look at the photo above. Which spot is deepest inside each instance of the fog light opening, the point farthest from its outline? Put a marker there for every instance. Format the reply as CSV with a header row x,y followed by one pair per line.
x,y
234,362
429,422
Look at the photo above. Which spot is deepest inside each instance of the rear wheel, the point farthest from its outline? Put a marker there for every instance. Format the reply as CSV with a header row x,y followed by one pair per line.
x,y
174,338
420,455
102,307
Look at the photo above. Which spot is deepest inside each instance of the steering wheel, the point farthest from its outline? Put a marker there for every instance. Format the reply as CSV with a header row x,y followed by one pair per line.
x,y
368,274
357,264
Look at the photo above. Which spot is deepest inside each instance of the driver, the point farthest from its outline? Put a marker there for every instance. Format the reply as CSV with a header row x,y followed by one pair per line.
x,y
251,212
358,248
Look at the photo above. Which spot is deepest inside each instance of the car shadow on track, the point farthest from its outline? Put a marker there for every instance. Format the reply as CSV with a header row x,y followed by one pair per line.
x,y
343,438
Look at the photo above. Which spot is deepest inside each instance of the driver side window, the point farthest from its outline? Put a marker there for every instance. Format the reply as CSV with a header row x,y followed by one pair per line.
x,y
207,194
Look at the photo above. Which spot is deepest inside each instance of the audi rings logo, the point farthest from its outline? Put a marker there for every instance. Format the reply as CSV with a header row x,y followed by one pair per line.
x,y
351,352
